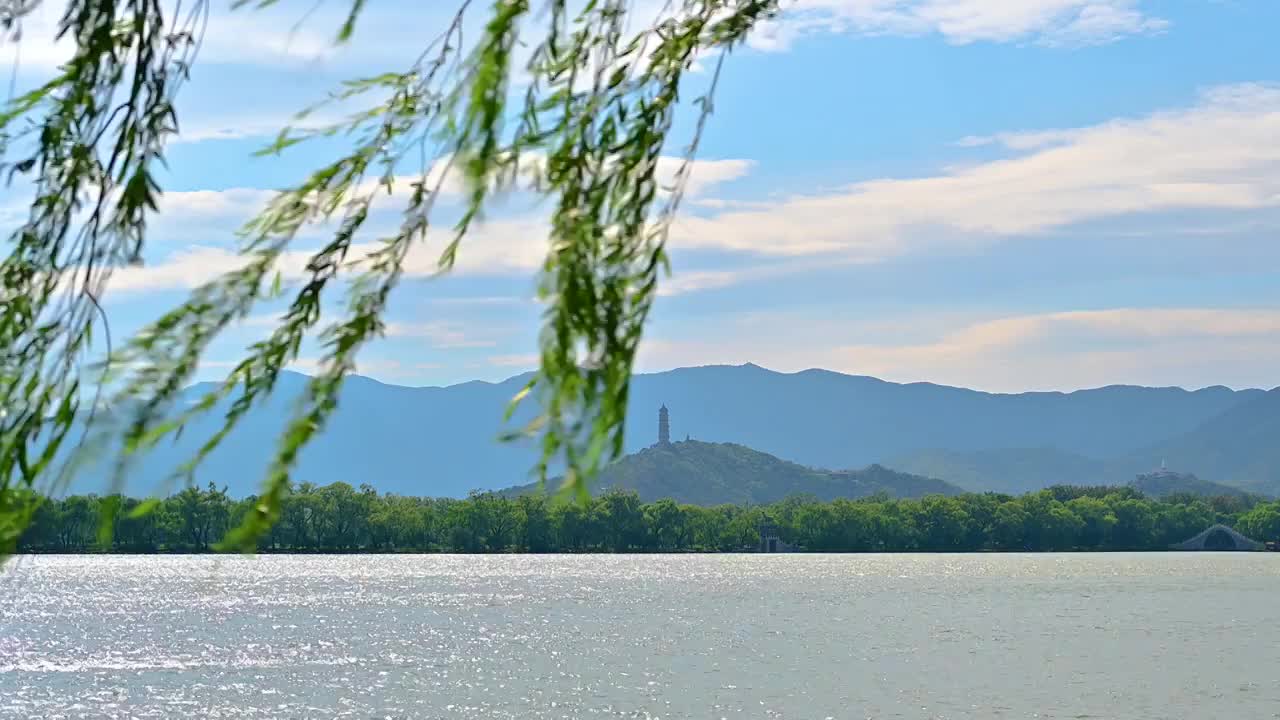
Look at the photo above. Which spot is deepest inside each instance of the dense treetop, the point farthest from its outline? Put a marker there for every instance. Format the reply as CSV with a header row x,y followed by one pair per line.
x,y
340,518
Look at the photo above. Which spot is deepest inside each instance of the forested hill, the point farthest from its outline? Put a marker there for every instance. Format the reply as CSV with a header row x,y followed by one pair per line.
x,y
1163,484
703,473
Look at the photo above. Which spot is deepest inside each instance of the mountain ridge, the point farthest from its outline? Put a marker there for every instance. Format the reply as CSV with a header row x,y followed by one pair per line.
x,y
443,439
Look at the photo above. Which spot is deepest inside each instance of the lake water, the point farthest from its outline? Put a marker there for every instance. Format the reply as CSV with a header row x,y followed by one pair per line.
x,y
729,636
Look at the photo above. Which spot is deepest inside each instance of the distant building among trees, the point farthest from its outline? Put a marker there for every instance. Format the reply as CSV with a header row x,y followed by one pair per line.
x,y
1160,473
664,426
771,537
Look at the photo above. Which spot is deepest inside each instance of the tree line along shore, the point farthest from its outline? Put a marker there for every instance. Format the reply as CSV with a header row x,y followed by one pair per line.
x,y
341,518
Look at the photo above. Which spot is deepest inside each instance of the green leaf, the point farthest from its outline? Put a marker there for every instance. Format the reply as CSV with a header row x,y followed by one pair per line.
x,y
515,401
144,508
349,26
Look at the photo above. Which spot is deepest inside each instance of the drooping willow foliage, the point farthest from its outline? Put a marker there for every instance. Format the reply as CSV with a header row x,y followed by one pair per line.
x,y
590,119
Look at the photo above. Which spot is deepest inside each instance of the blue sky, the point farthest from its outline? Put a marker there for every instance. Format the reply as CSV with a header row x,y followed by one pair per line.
x,y
1000,194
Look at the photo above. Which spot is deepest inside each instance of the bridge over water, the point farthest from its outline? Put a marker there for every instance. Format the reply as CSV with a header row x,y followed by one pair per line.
x,y
1219,537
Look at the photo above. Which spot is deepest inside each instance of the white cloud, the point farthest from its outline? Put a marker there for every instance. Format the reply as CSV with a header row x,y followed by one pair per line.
x,y
495,248
686,281
258,37
233,204
195,127
514,245
238,204
187,268
1180,346
440,335
285,35
254,37
524,361
704,174
385,368
681,283
1220,154
1136,328
1047,22
1065,350
484,301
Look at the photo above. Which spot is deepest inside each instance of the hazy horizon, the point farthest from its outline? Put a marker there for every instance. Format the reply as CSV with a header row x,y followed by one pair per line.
x,y
499,378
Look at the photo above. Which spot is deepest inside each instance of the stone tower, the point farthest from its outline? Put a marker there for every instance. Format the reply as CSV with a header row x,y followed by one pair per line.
x,y
664,426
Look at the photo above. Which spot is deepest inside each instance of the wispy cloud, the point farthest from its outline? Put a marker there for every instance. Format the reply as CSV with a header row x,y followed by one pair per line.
x,y
496,248
245,37
483,301
523,361
240,203
201,127
511,245
1218,154
440,335
1176,346
384,368
1189,347
285,35
1058,23
687,281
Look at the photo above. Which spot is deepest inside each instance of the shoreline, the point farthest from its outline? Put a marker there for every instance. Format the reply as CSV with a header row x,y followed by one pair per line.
x,y
341,553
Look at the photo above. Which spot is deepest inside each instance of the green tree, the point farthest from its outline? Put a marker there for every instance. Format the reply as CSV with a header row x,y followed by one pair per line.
x,y
1135,524
668,524
741,531
342,516
981,510
534,532
1178,520
943,524
1097,518
620,517
573,526
300,516
590,124
1262,522
895,528
502,519
203,516
75,521
705,527
41,521
1009,527
135,531
1060,528
619,522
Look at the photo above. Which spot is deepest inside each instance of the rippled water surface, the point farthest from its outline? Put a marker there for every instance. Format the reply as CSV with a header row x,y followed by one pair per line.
x,y
800,636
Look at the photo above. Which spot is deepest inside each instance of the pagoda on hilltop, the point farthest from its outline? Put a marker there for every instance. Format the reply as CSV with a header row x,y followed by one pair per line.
x,y
664,426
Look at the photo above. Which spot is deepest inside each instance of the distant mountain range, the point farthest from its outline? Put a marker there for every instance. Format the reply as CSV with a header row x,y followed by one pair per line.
x,y
443,440
705,473
1234,448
